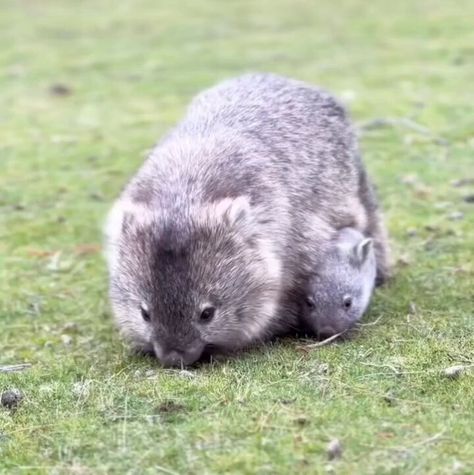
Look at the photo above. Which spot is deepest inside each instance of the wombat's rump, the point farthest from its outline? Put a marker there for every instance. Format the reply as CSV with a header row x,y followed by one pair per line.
x,y
221,227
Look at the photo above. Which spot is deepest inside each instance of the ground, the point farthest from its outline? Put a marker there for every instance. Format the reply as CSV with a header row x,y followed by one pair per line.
x,y
86,88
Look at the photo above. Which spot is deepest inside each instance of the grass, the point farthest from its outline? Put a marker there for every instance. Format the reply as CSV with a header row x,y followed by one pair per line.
x,y
127,70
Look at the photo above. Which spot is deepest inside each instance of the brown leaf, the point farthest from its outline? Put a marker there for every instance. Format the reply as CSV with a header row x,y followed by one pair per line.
x,y
40,253
87,249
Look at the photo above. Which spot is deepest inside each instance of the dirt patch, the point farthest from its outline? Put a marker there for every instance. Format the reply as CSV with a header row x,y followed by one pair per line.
x,y
60,90
170,411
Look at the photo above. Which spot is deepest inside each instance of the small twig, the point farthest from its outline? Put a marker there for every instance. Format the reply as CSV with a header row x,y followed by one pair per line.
x,y
395,370
403,373
399,373
462,358
15,368
429,440
416,445
164,470
324,342
385,122
179,372
370,324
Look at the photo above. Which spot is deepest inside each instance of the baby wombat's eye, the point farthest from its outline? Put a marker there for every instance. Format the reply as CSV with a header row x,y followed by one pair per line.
x,y
347,302
207,314
145,312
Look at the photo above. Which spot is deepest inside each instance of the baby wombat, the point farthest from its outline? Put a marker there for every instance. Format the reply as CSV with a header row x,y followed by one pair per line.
x,y
225,220
342,285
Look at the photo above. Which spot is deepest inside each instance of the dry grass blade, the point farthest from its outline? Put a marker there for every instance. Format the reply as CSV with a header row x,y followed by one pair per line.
x,y
370,324
15,368
324,342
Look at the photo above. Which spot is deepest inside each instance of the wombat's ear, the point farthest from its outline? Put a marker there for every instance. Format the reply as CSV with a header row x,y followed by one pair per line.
x,y
111,232
124,215
362,249
113,223
234,211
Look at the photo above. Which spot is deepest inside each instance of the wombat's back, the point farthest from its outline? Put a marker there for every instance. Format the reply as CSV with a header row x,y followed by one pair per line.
x,y
288,116
302,135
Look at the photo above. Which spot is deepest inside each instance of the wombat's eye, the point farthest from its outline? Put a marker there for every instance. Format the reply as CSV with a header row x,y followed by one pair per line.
x,y
145,312
207,314
310,303
347,302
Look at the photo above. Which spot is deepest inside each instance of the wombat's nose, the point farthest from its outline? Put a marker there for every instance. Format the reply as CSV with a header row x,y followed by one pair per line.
x,y
178,358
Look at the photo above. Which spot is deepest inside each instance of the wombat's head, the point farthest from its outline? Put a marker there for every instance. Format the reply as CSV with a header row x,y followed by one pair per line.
x,y
341,288
182,284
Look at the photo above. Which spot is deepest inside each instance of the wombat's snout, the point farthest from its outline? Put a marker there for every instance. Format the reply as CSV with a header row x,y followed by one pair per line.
x,y
170,356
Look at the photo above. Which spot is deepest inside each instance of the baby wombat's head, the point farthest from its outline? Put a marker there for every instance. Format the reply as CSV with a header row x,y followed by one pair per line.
x,y
200,279
342,285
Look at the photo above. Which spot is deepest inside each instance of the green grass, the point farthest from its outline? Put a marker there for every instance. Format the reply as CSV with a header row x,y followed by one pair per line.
x,y
131,67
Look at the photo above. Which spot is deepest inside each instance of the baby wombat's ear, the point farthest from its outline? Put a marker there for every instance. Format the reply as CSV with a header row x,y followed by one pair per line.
x,y
362,249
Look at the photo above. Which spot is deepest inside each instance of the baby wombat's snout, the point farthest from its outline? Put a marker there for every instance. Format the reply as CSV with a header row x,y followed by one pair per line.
x,y
342,285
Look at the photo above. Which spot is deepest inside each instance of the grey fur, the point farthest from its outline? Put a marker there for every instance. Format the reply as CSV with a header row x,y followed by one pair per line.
x,y
234,209
341,287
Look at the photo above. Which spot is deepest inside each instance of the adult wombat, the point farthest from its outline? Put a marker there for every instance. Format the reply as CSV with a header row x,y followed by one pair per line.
x,y
211,242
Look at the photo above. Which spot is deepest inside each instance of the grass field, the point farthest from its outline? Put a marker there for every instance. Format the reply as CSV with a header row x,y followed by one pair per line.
x,y
85,89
